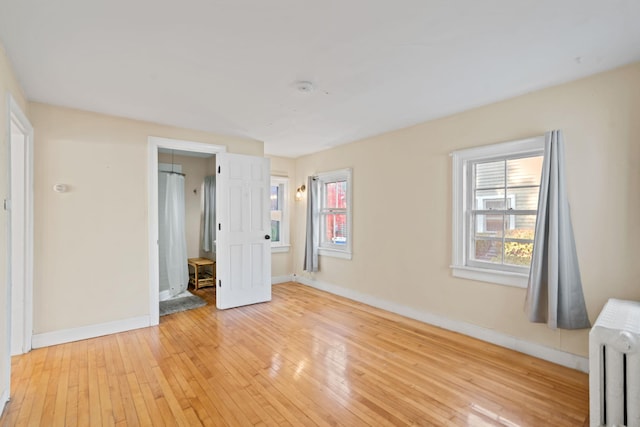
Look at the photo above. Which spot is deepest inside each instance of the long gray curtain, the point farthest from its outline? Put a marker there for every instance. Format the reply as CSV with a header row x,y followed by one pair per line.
x,y
209,214
554,293
313,227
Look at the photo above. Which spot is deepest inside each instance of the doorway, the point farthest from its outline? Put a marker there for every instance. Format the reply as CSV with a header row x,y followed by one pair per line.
x,y
243,250
20,207
156,145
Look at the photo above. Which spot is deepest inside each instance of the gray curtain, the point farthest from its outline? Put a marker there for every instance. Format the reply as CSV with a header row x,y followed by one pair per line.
x,y
313,227
554,294
209,214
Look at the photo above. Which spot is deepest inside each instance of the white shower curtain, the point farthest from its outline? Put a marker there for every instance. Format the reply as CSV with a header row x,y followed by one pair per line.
x,y
172,236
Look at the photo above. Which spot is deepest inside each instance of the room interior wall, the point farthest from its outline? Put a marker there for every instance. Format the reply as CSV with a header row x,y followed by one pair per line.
x,y
91,243
9,85
402,205
282,262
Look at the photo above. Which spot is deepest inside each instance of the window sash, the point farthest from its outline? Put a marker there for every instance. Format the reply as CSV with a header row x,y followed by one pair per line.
x,y
506,214
463,206
342,250
281,214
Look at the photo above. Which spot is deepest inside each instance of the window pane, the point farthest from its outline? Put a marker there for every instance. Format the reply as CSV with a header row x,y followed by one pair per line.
x,y
275,231
275,197
525,171
489,225
335,229
518,253
489,199
520,226
523,198
488,251
336,194
489,175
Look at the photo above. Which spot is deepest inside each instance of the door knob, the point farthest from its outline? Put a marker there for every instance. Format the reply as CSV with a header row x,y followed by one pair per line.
x,y
267,237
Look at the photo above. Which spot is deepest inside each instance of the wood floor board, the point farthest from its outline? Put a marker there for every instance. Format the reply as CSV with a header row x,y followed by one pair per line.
x,y
307,358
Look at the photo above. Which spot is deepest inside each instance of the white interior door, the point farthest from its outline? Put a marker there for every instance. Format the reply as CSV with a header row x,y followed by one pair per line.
x,y
243,263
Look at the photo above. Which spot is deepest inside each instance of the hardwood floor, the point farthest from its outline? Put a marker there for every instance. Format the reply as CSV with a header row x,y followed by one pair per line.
x,y
306,358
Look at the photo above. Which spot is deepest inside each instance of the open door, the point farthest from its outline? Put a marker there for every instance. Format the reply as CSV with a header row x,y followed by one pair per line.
x,y
243,245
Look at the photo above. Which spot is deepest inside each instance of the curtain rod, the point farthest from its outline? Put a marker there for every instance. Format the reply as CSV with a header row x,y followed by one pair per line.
x,y
177,173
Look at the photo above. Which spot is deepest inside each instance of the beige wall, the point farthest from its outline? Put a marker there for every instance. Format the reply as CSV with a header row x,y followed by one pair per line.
x,y
402,205
91,249
195,170
282,262
8,85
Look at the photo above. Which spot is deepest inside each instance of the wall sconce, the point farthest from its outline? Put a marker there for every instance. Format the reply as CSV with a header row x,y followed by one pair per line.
x,y
299,192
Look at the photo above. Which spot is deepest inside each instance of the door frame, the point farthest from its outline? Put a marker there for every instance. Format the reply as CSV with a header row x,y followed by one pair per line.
x,y
16,117
155,143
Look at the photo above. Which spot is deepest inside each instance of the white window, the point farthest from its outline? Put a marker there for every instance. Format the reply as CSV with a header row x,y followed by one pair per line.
x,y
279,214
495,202
335,213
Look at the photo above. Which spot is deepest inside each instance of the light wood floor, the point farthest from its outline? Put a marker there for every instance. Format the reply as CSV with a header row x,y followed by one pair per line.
x,y
306,358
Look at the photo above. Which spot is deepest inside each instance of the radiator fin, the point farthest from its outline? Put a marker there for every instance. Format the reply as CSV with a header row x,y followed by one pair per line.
x,y
614,366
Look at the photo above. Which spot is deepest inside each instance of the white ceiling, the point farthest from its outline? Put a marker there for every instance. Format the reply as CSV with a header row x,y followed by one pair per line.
x,y
229,66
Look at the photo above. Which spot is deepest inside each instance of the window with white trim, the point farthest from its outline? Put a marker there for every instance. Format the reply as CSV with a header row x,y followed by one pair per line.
x,y
279,214
334,210
495,202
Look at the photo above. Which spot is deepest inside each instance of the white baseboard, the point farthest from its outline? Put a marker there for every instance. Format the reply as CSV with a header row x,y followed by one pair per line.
x,y
281,279
542,352
91,331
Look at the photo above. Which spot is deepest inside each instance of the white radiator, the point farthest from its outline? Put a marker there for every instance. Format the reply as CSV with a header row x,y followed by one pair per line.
x,y
614,366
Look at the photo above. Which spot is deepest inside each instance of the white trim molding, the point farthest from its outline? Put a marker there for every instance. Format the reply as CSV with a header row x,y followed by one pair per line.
x,y
532,349
90,331
275,280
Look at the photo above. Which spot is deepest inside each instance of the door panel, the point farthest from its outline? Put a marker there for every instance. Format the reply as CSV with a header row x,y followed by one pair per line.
x,y
244,255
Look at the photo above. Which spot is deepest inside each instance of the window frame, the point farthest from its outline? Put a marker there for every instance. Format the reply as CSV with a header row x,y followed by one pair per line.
x,y
463,204
283,245
332,249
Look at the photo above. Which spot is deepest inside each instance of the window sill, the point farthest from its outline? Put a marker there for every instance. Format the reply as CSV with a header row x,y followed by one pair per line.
x,y
506,278
281,248
334,253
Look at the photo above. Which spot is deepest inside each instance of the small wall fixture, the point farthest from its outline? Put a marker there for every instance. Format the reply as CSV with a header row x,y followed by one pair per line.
x,y
299,192
60,188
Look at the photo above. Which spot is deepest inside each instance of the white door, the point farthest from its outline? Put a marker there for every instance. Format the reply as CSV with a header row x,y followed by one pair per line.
x,y
243,245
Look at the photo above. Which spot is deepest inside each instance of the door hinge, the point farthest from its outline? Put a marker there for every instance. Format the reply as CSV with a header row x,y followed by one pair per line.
x,y
219,283
218,169
219,227
7,204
